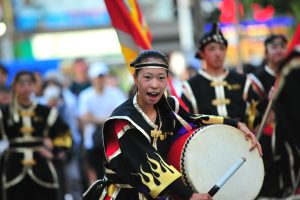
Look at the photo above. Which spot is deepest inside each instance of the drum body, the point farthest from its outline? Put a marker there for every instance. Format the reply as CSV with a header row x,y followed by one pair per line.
x,y
204,155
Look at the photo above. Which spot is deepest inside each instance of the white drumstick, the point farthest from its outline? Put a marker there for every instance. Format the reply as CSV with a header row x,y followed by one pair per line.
x,y
226,176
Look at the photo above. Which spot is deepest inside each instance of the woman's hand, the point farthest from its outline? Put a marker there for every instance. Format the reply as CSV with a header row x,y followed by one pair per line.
x,y
197,196
272,93
46,150
249,134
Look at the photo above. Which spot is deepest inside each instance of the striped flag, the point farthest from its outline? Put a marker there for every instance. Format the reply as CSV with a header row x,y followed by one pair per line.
x,y
132,30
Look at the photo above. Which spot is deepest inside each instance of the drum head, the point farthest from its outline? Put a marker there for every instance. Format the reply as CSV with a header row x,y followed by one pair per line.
x,y
211,151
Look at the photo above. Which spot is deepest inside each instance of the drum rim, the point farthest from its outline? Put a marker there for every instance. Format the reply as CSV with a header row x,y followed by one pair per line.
x,y
182,158
183,167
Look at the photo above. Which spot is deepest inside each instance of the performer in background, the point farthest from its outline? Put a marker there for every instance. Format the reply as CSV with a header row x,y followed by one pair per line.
x,y
256,93
215,90
260,82
36,137
287,132
138,135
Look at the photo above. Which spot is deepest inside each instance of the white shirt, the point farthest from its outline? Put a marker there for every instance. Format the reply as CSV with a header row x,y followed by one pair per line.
x,y
99,105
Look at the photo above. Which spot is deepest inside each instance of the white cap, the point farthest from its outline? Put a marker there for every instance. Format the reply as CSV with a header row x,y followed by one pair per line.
x,y
54,75
97,69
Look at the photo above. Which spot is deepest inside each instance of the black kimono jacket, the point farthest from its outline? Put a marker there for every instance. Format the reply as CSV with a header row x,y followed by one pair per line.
x,y
136,150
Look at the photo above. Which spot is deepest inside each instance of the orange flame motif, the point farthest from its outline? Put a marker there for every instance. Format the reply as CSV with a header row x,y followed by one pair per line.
x,y
160,176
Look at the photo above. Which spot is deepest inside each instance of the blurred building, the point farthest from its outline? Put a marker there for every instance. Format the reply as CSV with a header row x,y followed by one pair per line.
x,y
43,30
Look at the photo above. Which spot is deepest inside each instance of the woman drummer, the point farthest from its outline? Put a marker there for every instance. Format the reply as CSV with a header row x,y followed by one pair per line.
x,y
139,133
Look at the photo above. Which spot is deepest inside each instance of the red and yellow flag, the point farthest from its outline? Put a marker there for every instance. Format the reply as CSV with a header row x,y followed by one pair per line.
x,y
131,27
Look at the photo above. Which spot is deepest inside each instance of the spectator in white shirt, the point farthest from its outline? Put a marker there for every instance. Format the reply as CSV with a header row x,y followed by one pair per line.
x,y
96,103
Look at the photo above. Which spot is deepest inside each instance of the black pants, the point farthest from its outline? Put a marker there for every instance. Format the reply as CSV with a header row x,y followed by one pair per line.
x,y
271,184
28,189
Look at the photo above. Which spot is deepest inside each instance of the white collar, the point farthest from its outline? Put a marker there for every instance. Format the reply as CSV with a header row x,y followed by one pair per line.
x,y
270,71
214,78
138,108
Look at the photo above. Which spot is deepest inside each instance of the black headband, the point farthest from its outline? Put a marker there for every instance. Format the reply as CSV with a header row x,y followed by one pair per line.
x,y
147,64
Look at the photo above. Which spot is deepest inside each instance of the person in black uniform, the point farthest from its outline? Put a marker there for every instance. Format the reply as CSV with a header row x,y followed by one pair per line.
x,y
140,131
287,131
215,90
36,137
256,93
259,83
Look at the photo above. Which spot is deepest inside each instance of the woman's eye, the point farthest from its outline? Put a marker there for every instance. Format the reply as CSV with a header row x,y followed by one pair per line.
x,y
222,47
162,78
147,77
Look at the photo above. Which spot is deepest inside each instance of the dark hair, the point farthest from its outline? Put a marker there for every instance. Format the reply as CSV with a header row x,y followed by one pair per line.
x,y
3,69
5,89
146,54
78,60
273,37
22,73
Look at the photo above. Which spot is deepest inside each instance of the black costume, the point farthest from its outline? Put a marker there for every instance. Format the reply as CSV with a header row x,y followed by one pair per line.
x,y
256,93
25,173
221,95
136,150
287,132
215,95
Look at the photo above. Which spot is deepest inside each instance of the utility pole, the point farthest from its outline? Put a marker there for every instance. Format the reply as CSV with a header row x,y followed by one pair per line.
x,y
237,32
185,26
6,40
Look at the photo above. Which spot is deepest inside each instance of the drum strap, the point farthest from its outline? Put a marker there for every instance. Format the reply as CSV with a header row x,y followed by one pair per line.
x,y
184,123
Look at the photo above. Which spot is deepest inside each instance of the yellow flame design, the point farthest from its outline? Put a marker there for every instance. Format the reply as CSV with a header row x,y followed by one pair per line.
x,y
160,177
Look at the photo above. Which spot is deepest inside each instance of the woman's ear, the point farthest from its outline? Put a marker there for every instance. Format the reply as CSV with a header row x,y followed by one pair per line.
x,y
135,78
201,53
